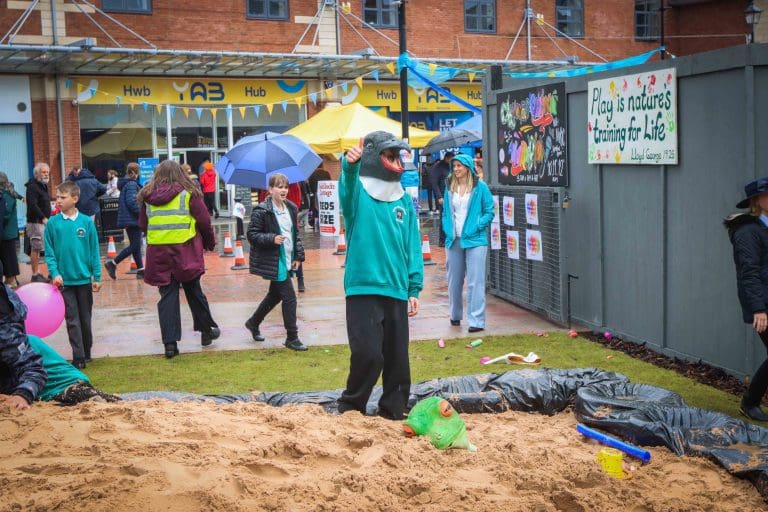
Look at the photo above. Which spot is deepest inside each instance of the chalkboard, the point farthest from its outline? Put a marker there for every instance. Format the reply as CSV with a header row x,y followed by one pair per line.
x,y
532,137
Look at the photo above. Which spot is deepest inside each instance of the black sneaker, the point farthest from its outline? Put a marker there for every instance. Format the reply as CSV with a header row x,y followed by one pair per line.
x,y
753,412
171,350
140,274
296,345
455,322
111,269
475,329
302,288
254,330
79,364
207,337
39,278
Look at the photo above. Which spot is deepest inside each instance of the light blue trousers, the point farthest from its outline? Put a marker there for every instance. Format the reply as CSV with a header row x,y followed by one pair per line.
x,y
470,263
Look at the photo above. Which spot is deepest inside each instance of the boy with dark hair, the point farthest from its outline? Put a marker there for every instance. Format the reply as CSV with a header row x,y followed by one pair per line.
x,y
22,376
72,254
238,212
276,252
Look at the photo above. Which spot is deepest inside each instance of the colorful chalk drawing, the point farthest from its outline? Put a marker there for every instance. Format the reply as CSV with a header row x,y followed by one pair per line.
x,y
509,211
635,122
495,236
513,245
532,137
533,245
532,209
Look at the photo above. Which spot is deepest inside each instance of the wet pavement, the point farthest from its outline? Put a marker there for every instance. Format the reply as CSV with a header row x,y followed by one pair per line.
x,y
125,312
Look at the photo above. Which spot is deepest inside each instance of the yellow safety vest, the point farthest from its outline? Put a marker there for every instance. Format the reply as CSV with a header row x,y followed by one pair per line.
x,y
171,223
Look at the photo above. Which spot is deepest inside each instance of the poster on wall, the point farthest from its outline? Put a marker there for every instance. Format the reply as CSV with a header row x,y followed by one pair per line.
x,y
495,209
328,207
532,137
532,209
509,211
632,119
513,245
495,236
533,248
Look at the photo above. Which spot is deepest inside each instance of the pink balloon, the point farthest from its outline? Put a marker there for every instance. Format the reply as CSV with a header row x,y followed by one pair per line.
x,y
45,308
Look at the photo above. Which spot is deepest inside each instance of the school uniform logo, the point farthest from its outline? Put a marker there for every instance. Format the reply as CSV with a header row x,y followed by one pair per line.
x,y
80,232
399,213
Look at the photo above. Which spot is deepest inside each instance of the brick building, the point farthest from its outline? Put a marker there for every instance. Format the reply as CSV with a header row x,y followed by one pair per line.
x,y
103,82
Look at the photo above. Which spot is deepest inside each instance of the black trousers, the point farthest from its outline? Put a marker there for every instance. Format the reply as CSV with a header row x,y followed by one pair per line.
x,y
759,382
239,234
431,199
377,328
169,309
78,305
210,202
134,249
279,291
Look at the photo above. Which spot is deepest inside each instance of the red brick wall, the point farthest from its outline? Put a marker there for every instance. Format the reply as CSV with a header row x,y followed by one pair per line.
x,y
45,136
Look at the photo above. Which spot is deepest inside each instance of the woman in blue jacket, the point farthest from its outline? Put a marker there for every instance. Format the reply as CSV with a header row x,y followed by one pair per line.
x,y
467,213
128,218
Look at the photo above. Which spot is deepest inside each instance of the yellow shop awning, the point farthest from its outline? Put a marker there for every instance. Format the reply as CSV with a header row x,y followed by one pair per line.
x,y
338,128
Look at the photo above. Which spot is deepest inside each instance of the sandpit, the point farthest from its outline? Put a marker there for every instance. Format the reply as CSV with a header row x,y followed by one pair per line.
x,y
161,455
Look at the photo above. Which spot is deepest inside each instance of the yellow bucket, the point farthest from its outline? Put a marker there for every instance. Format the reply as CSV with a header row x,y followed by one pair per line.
x,y
610,459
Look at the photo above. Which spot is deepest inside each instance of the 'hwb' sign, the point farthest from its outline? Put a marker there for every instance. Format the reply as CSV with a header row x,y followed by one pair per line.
x,y
532,137
632,119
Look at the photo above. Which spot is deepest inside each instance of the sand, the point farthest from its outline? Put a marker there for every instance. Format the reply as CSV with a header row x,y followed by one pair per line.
x,y
159,455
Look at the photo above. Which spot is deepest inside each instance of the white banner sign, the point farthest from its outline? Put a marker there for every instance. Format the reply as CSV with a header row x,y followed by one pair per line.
x,y
328,207
632,119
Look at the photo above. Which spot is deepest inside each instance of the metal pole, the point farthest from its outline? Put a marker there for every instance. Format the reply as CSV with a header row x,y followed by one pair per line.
x,y
338,28
528,26
56,77
661,30
404,120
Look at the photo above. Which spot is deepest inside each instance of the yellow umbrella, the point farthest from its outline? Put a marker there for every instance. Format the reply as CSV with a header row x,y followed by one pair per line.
x,y
338,128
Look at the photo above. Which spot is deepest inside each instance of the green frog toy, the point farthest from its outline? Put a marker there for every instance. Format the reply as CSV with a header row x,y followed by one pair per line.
x,y
435,417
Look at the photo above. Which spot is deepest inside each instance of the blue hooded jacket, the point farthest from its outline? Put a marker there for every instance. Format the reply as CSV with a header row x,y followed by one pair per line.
x,y
90,191
479,214
127,206
21,368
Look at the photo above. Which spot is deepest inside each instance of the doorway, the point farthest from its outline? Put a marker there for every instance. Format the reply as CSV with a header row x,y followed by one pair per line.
x,y
195,158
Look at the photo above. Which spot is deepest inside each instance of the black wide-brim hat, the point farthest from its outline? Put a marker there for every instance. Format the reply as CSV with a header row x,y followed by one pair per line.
x,y
752,189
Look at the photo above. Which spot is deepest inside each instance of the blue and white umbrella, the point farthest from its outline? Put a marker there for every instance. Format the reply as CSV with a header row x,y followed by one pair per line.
x,y
255,158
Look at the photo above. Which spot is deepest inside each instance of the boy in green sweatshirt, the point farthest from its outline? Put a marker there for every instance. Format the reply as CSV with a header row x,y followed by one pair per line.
x,y
383,275
72,254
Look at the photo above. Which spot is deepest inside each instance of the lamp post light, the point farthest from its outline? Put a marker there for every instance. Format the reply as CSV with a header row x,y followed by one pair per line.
x,y
752,15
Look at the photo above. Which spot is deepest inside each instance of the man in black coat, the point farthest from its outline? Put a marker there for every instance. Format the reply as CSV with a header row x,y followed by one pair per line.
x,y
91,190
22,375
438,174
38,211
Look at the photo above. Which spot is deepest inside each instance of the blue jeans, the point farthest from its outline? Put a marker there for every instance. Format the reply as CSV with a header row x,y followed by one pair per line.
x,y
470,263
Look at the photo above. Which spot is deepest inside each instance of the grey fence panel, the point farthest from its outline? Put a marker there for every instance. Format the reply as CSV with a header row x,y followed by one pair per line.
x,y
646,243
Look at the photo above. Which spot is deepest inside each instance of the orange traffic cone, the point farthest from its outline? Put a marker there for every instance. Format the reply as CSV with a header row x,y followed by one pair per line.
x,y
111,251
239,257
228,252
134,268
426,252
341,244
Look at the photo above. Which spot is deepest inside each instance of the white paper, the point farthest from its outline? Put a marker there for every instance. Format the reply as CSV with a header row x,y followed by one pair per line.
x,y
532,209
533,247
513,245
509,211
495,236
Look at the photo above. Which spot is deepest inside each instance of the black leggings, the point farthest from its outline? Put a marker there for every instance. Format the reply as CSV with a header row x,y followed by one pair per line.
x,y
759,382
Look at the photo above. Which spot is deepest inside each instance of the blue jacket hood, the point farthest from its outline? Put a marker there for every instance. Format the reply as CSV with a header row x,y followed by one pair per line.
x,y
466,160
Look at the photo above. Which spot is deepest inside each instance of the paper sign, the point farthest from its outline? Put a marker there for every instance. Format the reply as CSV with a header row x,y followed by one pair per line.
x,y
495,236
509,211
513,245
328,207
532,209
495,208
533,248
632,119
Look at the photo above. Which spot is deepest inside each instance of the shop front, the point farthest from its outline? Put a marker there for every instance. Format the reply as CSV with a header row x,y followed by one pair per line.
x,y
123,119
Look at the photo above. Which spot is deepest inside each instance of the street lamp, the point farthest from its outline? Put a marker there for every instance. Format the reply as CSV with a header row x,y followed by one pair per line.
x,y
752,15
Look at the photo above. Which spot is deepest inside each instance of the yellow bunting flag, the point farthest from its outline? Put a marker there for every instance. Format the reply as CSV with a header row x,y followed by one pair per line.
x,y
213,112
80,87
432,68
359,82
391,67
242,111
159,109
270,106
186,111
329,92
299,100
471,77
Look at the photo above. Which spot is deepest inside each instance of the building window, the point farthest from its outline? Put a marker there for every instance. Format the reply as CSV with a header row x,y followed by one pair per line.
x,y
569,17
647,17
480,16
380,13
133,6
268,9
